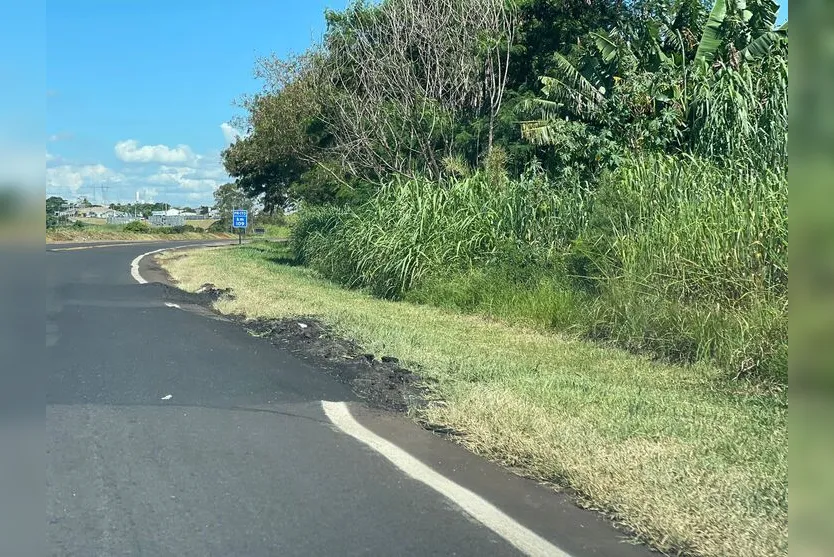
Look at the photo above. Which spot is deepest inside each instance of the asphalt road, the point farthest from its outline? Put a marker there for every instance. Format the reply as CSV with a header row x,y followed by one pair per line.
x,y
173,433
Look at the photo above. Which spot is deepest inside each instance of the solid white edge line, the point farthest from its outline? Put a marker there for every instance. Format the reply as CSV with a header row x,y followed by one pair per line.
x,y
522,538
134,265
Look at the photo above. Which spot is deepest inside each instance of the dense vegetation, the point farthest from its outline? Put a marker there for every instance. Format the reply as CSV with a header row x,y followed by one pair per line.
x,y
614,169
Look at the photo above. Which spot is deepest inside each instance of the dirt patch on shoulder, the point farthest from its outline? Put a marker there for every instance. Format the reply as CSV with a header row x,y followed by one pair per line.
x,y
378,379
381,382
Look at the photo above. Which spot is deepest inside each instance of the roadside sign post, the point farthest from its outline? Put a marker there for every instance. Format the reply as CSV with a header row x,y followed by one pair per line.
x,y
240,220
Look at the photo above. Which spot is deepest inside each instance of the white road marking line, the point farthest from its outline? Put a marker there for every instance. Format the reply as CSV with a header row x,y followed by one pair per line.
x,y
96,246
134,265
167,397
170,305
523,539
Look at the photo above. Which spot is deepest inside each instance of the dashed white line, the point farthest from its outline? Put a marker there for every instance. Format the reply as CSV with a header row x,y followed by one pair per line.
x,y
522,538
170,305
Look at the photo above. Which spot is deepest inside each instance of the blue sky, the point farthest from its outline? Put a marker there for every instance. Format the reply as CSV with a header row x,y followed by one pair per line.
x,y
138,92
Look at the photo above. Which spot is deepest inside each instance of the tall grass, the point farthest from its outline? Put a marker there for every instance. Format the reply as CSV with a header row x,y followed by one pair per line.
x,y
416,228
672,256
699,268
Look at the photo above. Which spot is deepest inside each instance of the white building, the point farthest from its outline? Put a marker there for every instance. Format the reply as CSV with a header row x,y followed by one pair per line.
x,y
167,213
96,211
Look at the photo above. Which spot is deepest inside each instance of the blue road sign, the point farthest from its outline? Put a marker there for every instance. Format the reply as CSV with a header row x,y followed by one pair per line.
x,y
240,218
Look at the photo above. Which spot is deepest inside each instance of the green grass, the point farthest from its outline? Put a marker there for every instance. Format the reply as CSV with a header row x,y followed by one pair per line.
x,y
117,233
674,257
687,459
276,231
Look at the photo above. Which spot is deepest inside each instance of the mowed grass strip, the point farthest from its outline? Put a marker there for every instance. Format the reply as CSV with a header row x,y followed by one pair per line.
x,y
92,234
688,461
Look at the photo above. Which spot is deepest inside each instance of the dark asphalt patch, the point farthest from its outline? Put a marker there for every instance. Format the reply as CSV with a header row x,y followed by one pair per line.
x,y
382,383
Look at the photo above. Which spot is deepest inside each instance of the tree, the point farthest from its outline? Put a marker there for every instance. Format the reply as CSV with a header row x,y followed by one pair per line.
x,y
54,204
651,83
229,197
400,75
284,134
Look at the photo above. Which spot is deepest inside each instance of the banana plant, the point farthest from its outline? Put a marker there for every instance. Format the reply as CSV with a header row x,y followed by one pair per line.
x,y
756,20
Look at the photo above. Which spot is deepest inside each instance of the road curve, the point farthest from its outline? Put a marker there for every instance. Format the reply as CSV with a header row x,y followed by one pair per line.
x,y
171,432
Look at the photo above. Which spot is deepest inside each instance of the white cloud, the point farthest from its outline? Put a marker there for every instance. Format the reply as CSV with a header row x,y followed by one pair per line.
x,y
197,180
230,134
187,182
147,195
130,151
62,136
72,178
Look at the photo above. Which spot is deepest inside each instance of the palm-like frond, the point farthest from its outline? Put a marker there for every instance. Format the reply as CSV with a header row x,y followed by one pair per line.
x,y
711,38
571,88
608,49
762,45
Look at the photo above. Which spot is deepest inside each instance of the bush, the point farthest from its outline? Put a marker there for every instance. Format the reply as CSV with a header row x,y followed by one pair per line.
x,y
671,256
313,224
180,229
275,219
219,226
416,228
136,226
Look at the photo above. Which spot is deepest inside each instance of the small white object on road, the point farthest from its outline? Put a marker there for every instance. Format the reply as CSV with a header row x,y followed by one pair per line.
x,y
303,325
167,397
170,305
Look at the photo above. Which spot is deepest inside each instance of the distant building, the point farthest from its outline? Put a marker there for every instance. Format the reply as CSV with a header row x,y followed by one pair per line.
x,y
167,213
67,211
166,220
96,211
121,218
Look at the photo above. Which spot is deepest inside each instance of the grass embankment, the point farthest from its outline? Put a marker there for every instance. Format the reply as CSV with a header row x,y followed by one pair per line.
x,y
688,460
671,256
117,233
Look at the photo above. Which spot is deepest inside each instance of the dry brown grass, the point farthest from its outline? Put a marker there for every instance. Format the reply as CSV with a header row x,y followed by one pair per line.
x,y
202,223
688,462
93,234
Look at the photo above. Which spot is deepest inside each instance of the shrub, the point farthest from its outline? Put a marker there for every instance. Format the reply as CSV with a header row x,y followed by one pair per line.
x,y
137,226
221,225
674,256
314,223
179,229
275,219
416,228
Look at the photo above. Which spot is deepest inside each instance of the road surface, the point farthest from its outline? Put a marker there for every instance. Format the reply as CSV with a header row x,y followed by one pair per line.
x,y
170,432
